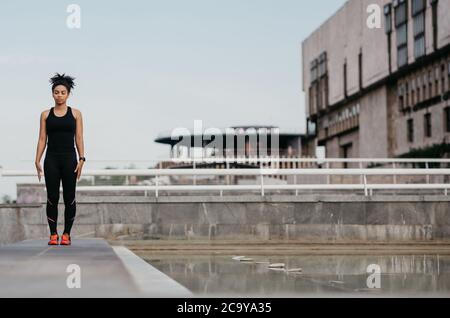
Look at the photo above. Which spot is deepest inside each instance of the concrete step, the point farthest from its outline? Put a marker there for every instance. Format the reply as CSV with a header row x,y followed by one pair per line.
x,y
87,268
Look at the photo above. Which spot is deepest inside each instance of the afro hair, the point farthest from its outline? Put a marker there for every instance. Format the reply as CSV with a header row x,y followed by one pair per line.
x,y
63,79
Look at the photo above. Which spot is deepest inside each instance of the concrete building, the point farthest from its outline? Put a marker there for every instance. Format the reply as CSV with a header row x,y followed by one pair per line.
x,y
241,145
379,92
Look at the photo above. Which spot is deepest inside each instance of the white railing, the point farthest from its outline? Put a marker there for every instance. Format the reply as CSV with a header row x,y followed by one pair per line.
x,y
259,172
316,160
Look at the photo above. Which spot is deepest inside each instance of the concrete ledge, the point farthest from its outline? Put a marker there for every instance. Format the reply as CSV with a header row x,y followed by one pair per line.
x,y
314,218
150,281
259,198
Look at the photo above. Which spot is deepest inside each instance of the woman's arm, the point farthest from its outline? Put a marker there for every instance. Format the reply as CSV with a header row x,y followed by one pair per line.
x,y
79,134
42,139
80,143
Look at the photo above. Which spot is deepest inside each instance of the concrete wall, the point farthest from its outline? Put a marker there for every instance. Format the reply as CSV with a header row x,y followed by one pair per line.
x,y
373,125
437,128
308,219
444,23
345,34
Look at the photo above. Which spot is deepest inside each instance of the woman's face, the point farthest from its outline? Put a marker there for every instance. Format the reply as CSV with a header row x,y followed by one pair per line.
x,y
60,94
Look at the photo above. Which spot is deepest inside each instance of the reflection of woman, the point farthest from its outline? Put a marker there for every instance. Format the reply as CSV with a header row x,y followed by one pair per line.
x,y
60,124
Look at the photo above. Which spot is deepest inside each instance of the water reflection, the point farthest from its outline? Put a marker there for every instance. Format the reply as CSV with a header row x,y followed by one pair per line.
x,y
412,275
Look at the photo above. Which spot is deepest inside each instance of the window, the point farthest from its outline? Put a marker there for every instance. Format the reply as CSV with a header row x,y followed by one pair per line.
x,y
319,95
443,78
434,17
410,128
318,91
345,79
401,97
360,65
418,13
346,153
430,84
388,18
448,75
388,30
401,25
427,125
314,71
436,81
323,85
323,64
419,87
447,119
407,95
312,108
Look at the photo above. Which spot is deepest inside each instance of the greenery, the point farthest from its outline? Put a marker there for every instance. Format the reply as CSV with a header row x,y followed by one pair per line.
x,y
435,151
6,199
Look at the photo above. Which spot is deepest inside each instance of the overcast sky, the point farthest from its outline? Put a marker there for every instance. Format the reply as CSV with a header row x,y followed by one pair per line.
x,y
143,67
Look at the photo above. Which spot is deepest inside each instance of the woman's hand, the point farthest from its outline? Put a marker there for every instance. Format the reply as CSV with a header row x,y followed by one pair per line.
x,y
39,170
79,168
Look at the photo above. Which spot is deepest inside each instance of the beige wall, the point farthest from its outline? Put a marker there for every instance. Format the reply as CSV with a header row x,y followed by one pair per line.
x,y
345,33
437,128
342,37
444,23
373,123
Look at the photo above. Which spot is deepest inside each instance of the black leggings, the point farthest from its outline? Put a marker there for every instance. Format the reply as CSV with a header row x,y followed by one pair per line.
x,y
57,167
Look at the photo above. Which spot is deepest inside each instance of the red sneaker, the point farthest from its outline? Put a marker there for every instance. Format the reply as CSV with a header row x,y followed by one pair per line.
x,y
65,239
53,239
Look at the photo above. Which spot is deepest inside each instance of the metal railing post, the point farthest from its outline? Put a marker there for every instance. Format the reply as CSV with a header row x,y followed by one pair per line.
x,y
262,184
195,176
156,185
428,176
395,176
360,167
365,185
295,182
228,177
327,165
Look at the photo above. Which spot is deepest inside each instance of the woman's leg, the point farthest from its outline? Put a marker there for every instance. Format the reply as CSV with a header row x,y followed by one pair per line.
x,y
52,182
69,180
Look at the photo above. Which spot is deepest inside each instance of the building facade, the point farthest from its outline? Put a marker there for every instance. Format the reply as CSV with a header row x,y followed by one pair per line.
x,y
379,92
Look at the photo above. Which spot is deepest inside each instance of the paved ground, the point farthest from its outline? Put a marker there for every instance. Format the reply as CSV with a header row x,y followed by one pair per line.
x,y
31,268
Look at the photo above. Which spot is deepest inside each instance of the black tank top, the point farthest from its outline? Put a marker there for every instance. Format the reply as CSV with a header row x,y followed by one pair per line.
x,y
61,132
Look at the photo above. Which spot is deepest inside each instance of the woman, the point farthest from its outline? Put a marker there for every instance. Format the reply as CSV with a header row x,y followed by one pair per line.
x,y
61,124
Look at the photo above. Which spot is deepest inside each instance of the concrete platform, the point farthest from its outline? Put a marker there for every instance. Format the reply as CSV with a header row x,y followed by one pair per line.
x,y
31,268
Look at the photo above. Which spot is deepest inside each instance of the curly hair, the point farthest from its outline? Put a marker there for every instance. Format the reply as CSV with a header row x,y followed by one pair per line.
x,y
63,79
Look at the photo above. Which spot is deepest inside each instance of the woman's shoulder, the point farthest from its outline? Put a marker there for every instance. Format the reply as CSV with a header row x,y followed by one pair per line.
x,y
45,113
76,112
